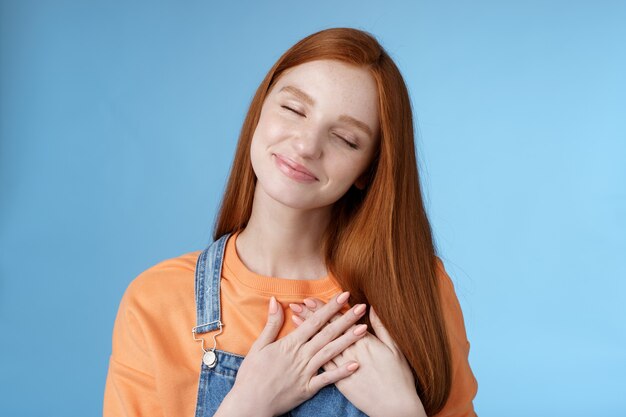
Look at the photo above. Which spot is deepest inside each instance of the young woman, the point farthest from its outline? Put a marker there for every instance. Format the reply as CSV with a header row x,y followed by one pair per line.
x,y
323,204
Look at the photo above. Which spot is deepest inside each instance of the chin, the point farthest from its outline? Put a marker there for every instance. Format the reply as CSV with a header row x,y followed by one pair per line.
x,y
291,198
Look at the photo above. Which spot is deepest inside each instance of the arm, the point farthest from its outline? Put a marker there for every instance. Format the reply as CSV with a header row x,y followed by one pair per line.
x,y
378,391
358,387
278,375
464,384
233,407
130,385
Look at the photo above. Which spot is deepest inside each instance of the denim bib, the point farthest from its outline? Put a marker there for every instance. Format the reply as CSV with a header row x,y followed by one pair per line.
x,y
216,381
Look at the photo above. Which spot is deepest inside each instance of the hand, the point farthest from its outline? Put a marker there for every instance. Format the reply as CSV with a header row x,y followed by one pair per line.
x,y
277,376
383,385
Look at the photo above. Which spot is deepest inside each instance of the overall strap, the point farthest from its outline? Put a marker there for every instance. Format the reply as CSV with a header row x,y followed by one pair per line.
x,y
207,286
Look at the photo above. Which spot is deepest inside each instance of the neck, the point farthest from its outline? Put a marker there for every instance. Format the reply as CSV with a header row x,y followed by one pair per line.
x,y
280,241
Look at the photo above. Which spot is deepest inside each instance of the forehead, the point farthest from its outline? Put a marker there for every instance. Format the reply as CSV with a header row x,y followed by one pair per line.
x,y
332,73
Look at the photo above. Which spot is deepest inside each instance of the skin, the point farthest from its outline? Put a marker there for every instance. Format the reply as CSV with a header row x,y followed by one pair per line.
x,y
376,390
278,375
289,216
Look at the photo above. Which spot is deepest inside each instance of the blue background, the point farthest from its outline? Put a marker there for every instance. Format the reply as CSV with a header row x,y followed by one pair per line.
x,y
118,126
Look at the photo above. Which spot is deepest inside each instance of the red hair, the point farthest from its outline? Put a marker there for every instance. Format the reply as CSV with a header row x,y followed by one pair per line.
x,y
379,242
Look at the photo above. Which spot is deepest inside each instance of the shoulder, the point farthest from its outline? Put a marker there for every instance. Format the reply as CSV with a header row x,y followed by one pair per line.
x,y
163,283
443,279
450,302
464,384
150,310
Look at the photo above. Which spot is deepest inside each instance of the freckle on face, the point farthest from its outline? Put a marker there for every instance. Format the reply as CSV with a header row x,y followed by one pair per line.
x,y
336,90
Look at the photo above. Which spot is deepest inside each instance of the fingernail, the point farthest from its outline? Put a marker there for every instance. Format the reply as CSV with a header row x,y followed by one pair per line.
x,y
352,366
359,309
273,305
310,303
296,319
295,307
360,329
343,297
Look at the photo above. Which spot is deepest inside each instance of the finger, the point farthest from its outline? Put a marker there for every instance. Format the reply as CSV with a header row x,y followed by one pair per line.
x,y
304,311
381,330
331,376
334,362
315,304
301,312
272,326
298,321
334,348
333,330
311,327
330,365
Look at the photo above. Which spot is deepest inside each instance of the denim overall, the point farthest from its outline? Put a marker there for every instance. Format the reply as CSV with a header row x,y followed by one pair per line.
x,y
216,382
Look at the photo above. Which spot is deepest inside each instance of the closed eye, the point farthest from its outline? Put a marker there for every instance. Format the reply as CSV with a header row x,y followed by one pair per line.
x,y
290,109
350,144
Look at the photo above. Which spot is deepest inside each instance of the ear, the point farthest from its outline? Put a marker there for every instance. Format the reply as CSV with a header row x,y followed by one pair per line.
x,y
361,182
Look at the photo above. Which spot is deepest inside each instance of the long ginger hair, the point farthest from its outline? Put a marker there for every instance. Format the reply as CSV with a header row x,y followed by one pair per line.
x,y
378,244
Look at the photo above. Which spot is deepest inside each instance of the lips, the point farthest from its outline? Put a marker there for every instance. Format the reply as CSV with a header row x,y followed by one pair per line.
x,y
295,165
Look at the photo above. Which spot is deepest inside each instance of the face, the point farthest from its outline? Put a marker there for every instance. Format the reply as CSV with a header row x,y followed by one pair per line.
x,y
317,133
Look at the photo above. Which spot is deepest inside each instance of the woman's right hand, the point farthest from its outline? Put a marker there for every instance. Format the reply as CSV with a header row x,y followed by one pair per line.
x,y
277,376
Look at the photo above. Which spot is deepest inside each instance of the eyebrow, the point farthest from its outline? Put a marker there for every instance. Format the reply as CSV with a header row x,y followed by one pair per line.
x,y
309,100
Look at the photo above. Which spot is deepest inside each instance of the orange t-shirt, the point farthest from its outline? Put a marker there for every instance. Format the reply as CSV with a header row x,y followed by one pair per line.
x,y
154,367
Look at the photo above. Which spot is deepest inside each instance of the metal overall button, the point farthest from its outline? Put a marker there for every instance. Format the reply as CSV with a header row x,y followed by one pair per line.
x,y
209,358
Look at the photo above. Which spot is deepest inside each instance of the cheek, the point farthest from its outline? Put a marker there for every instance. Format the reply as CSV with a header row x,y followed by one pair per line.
x,y
346,169
270,130
268,133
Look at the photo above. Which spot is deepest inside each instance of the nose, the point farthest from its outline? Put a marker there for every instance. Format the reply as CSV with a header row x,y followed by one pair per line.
x,y
309,143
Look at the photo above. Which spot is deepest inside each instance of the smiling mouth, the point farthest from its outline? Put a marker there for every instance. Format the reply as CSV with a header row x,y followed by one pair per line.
x,y
292,172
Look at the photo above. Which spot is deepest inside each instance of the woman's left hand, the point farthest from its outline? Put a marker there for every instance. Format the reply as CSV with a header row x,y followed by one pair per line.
x,y
383,385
